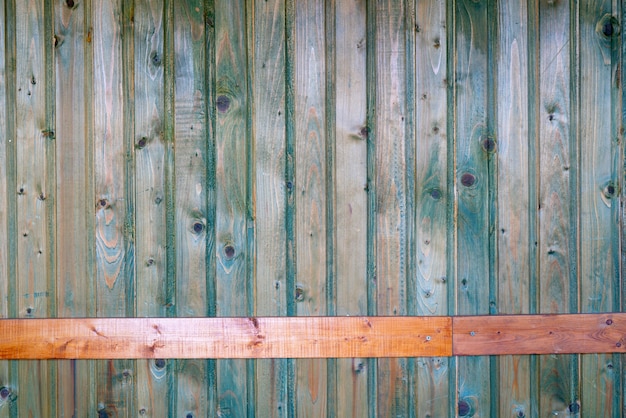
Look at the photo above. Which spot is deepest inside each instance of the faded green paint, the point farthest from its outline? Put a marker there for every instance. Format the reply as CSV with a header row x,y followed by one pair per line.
x,y
194,158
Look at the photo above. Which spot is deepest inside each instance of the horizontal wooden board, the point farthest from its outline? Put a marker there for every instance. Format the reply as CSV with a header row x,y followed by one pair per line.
x,y
267,337
311,337
539,334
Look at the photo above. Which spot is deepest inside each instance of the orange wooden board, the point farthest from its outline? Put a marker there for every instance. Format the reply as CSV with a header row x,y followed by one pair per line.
x,y
267,337
539,334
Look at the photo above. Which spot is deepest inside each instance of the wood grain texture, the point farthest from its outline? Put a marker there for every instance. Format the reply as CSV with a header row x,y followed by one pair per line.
x,y
194,222
5,298
310,192
514,188
538,334
112,64
270,192
150,227
35,190
431,389
231,175
599,174
351,133
557,226
473,183
390,194
196,338
75,197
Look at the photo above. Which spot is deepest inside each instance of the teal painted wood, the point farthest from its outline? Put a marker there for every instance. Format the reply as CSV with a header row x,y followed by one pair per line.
x,y
553,190
4,206
232,206
74,191
35,152
431,285
194,223
310,192
474,178
391,190
351,136
113,147
151,133
514,191
599,174
371,74
557,167
270,192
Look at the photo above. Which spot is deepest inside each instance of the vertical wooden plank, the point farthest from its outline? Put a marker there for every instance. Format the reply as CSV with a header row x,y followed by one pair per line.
x,y
599,174
231,177
74,193
351,133
390,194
431,386
114,152
4,208
10,148
473,260
194,227
513,196
269,143
35,183
310,191
557,256
150,227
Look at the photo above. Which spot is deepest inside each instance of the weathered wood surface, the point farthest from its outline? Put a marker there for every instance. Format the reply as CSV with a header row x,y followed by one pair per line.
x,y
270,193
113,145
456,157
390,189
191,195
7,123
430,290
351,135
558,196
74,194
35,160
516,152
600,160
474,148
225,338
310,191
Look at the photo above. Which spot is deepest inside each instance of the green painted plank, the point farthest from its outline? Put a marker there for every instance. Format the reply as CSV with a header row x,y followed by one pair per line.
x,y
193,224
371,75
232,292
150,199
74,210
351,135
310,192
474,182
430,109
513,147
534,116
599,176
290,178
112,71
556,167
35,144
4,210
330,122
391,192
270,191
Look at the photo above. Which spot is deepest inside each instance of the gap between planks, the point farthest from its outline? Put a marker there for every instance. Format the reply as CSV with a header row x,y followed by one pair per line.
x,y
311,337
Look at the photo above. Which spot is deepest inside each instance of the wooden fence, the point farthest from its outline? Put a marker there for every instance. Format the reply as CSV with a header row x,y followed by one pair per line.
x,y
286,158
